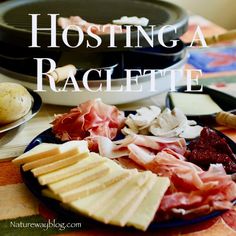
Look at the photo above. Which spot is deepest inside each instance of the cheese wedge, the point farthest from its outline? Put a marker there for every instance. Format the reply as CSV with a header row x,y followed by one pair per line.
x,y
131,189
94,186
40,151
83,165
94,202
79,179
58,164
146,211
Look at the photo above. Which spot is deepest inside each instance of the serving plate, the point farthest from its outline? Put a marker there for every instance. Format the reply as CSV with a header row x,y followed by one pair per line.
x,y
36,105
31,182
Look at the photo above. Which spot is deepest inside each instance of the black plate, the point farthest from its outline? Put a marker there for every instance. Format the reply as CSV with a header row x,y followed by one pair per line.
x,y
33,185
225,101
15,21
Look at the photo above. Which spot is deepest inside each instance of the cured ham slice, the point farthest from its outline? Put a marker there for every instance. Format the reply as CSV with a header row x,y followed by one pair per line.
x,y
107,148
184,174
140,155
155,143
89,119
150,144
76,21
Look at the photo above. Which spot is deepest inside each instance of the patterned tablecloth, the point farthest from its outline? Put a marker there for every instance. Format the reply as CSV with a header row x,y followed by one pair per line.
x,y
22,214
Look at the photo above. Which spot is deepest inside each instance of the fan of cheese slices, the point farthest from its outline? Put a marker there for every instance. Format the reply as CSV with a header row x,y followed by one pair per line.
x,y
93,185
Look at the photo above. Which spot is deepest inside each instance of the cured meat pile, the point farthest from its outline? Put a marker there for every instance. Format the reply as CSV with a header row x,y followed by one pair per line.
x,y
199,183
84,25
88,120
211,148
192,191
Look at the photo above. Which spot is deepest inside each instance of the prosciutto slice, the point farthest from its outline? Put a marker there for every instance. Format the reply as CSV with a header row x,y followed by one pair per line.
x,y
148,144
76,21
88,120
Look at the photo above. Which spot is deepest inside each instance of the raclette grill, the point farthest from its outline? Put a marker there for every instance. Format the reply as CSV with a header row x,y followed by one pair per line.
x,y
16,57
15,20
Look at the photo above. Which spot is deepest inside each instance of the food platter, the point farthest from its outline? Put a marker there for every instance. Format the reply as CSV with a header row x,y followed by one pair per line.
x,y
149,168
33,185
36,105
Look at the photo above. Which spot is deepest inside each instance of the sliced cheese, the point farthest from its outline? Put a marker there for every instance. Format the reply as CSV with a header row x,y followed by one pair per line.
x,y
111,193
138,212
58,164
40,151
51,159
128,210
131,189
94,186
79,179
94,202
83,165
146,211
97,186
195,104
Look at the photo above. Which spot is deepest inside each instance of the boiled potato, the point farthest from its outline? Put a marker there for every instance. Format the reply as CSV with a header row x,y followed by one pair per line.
x,y
15,102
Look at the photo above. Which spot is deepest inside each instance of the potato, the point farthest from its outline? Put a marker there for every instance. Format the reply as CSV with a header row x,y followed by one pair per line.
x,y
15,102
